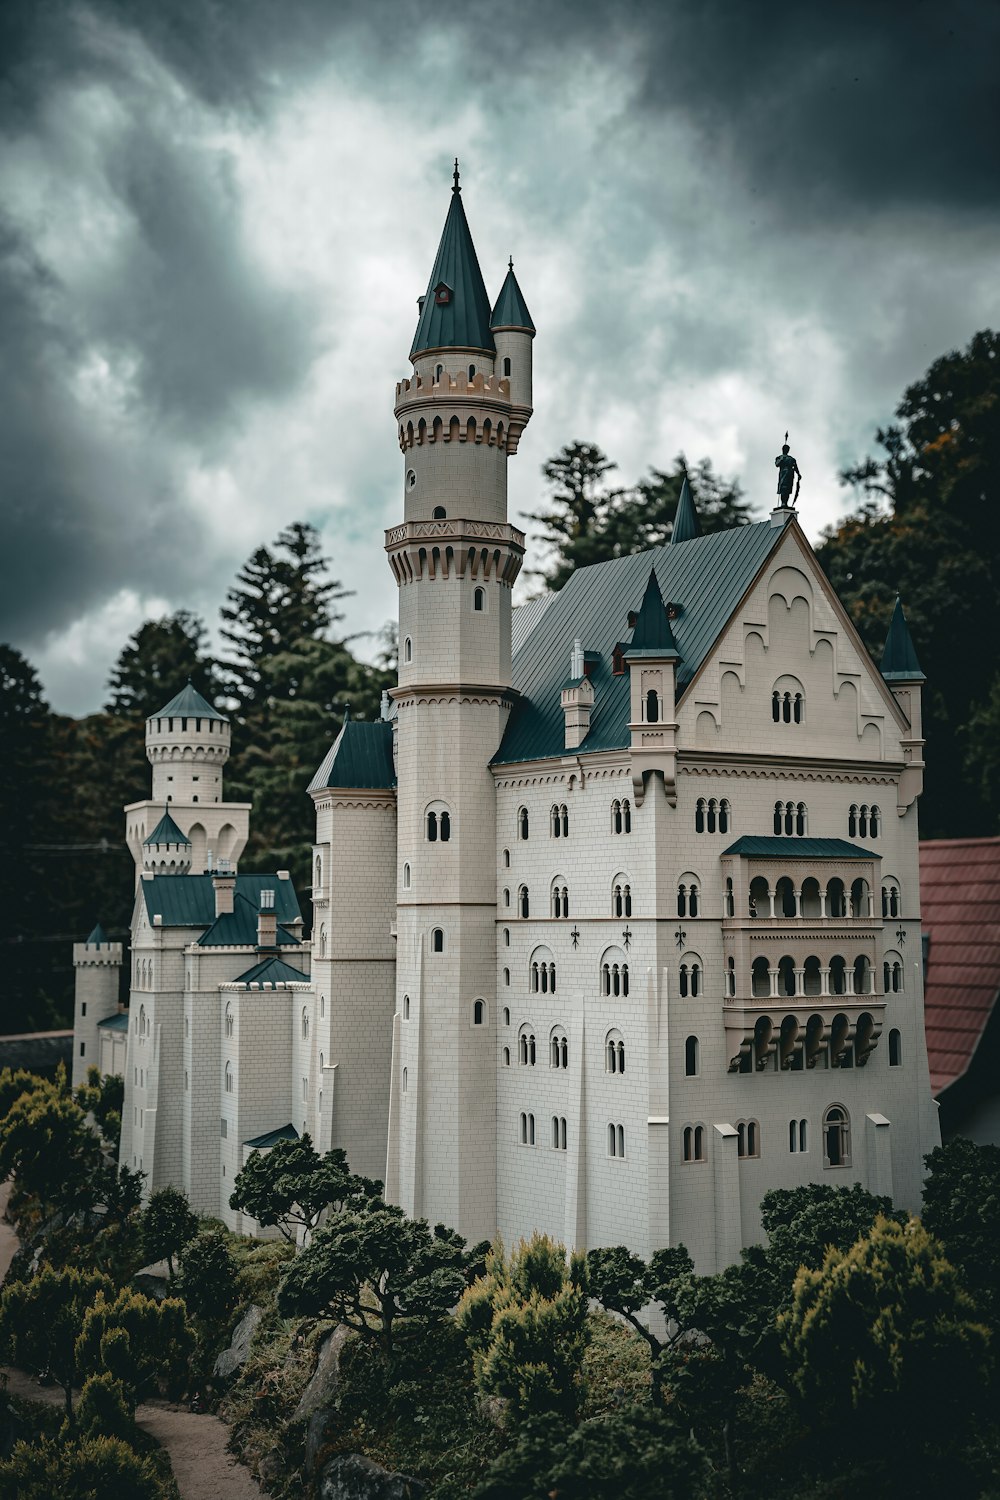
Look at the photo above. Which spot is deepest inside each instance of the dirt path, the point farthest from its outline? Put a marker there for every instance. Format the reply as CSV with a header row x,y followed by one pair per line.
x,y
196,1446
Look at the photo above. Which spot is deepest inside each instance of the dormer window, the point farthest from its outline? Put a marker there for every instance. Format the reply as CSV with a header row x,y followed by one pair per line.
x,y
442,294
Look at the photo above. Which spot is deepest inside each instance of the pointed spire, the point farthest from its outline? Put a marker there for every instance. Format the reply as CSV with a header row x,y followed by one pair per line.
x,y
189,702
899,657
652,635
97,937
456,185
511,310
455,313
686,523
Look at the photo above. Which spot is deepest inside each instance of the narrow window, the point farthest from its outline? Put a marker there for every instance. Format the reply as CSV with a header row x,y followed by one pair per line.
x,y
836,1137
522,823
895,1049
691,1057
472,372
523,902
612,1141
432,827
852,822
445,824
506,367
797,708
652,707
627,815
621,1139
437,940
406,877
776,706
524,1129
531,1130
699,816
479,600
506,859
478,1013
874,821
800,820
408,649
616,817
506,1009
506,1057
406,1007
439,514
564,820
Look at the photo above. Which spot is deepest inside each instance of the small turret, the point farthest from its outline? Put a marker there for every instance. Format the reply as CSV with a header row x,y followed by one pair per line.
x,y
187,744
686,523
652,658
513,332
901,670
167,851
97,963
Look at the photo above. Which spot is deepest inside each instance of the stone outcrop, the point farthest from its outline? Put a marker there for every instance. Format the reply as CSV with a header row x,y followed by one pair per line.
x,y
233,1358
349,1476
322,1387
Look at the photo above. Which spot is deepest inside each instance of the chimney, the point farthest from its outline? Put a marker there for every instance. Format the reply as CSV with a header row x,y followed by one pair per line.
x,y
576,659
385,707
267,921
224,886
577,699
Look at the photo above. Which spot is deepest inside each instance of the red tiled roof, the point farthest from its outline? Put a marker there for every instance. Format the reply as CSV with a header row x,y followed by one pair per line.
x,y
960,908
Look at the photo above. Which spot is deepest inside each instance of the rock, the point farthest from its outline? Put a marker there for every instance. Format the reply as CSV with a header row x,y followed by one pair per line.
x,y
322,1387
349,1476
231,1359
318,1431
156,1287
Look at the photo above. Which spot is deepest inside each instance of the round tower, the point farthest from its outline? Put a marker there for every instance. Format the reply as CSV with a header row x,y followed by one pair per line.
x,y
455,558
167,851
187,744
97,963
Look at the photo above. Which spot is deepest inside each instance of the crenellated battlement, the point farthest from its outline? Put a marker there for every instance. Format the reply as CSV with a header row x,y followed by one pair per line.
x,y
427,388
458,419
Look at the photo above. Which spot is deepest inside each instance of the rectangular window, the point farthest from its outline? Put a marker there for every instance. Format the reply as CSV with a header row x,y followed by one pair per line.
x,y
83,1008
224,1132
305,1088
83,1049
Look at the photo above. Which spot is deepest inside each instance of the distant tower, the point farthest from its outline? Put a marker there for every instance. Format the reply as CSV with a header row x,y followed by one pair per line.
x,y
455,558
97,963
186,826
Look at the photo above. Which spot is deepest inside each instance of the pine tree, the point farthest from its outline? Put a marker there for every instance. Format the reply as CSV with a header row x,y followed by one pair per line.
x,y
156,662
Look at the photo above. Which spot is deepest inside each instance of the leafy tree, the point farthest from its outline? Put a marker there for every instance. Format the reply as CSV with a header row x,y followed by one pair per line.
x,y
14,1083
156,662
133,1339
207,1277
80,1471
290,1186
103,1097
373,1269
168,1224
625,1284
929,528
104,1409
41,1319
47,1146
525,1321
962,1208
634,1453
884,1332
591,523
802,1223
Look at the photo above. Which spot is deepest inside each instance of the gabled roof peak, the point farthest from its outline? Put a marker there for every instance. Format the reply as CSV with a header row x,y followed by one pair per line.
x,y
189,702
686,523
899,656
455,312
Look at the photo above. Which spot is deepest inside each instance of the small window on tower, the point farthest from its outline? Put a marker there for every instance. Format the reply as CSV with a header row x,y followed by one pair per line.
x,y
479,600
439,514
506,368
442,294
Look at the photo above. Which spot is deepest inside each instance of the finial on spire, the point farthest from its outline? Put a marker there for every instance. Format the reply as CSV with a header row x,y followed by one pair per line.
x,y
456,188
510,263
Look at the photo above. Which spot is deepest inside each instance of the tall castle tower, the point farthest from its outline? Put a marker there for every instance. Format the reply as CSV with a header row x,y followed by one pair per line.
x,y
455,558
97,963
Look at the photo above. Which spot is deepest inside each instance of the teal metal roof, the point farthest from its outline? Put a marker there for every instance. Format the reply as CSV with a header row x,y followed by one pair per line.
x,y
271,972
707,578
770,847
238,929
359,758
511,310
899,658
652,635
167,832
686,523
189,702
97,937
189,900
457,316
117,1022
283,1133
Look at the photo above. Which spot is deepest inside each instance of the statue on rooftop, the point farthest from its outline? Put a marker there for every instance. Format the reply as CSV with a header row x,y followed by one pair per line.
x,y
788,474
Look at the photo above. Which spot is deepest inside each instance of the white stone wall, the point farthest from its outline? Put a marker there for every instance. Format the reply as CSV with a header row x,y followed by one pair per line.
x,y
95,999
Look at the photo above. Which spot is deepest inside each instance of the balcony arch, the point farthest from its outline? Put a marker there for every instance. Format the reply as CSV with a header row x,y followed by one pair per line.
x,y
542,972
862,975
812,977
614,1052
527,1051
812,900
838,975
688,895
784,897
690,981
861,898
892,905
760,979
892,974
614,972
760,897
836,898
621,896
558,1048
787,977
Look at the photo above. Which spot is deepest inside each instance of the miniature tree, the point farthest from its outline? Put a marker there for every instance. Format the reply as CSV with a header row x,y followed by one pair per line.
x,y
290,1186
41,1319
168,1224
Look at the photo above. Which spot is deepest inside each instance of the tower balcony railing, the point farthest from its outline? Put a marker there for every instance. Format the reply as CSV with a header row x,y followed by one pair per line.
x,y
793,1032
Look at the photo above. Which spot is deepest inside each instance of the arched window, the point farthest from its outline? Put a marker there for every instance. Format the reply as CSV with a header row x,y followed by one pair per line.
x,y
432,827
322,1005
506,859
506,980
229,1078
406,1007
731,977
836,1137
760,978
439,513
621,816
621,897
305,1024
687,896
616,1140
895,1049
438,372
405,1079
558,1048
437,940
614,1052
531,1130
478,1012
506,367
479,600
730,898
776,706
406,877
874,823
652,707
725,813
614,973
322,940
506,1057
800,820
506,1009
852,821
318,874
524,1129
689,975
438,823
891,905
229,1020
693,1137
407,649
797,1135
523,904
691,1057
522,823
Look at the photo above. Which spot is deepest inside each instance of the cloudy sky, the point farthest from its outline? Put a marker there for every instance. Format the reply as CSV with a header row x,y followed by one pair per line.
x,y
728,217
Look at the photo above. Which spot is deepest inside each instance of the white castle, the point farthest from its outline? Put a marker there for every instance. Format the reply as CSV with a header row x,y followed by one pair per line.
x,y
615,912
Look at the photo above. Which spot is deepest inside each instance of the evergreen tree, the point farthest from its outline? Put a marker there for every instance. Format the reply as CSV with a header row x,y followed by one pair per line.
x,y
156,662
929,529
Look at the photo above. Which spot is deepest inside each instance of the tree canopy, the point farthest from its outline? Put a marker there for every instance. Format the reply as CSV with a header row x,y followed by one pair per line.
x,y
290,1185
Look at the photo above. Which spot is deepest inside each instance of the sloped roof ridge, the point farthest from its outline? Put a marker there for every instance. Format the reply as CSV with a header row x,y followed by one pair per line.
x,y
167,832
189,702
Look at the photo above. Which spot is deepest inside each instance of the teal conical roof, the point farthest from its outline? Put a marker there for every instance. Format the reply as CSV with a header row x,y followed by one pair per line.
x,y
167,832
686,524
189,701
456,310
511,310
652,635
899,658
97,937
